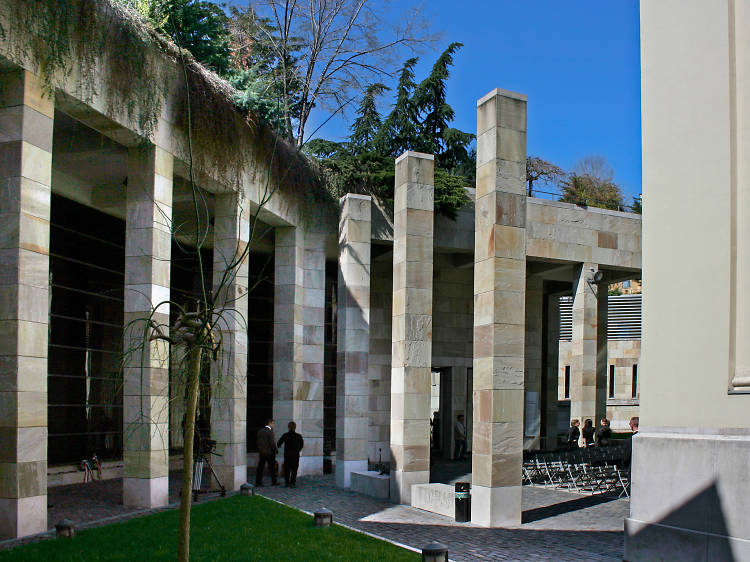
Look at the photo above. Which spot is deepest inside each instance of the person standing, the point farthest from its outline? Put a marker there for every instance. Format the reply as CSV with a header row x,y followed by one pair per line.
x,y
603,434
266,453
574,434
588,433
628,445
293,444
459,435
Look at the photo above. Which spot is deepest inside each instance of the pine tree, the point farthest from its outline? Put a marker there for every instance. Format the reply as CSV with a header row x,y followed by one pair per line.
x,y
399,130
366,126
430,102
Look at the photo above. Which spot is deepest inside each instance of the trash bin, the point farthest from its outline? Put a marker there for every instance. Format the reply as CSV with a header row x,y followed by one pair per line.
x,y
463,502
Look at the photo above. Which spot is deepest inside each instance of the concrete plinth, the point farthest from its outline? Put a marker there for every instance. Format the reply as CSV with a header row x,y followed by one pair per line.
x,y
437,498
25,174
411,359
690,495
371,483
146,371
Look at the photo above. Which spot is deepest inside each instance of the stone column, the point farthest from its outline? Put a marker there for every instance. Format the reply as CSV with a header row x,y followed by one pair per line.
x,y
533,362
552,365
299,316
26,118
353,324
499,300
588,370
146,369
229,374
413,228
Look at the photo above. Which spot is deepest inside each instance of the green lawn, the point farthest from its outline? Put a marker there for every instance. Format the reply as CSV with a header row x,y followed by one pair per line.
x,y
236,528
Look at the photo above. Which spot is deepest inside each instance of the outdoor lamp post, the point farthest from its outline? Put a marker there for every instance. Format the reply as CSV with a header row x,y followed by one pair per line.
x,y
435,552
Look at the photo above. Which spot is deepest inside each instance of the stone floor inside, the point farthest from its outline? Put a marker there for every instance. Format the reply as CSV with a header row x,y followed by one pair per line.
x,y
556,524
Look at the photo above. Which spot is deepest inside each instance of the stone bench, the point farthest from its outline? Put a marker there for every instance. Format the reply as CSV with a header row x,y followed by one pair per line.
x,y
437,498
372,483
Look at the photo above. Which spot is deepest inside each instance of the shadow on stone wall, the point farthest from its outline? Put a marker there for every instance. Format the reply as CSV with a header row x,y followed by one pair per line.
x,y
694,531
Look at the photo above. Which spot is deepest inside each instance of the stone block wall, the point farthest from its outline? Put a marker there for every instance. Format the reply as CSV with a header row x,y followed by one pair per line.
x,y
569,232
379,366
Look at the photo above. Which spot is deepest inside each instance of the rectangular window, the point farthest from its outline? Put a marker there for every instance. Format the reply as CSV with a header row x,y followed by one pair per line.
x,y
626,284
634,387
611,381
567,381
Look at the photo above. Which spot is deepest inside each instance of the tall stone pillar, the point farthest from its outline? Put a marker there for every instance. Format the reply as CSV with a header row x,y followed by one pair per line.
x,y
353,323
413,228
533,362
229,374
588,370
499,304
26,118
551,367
299,317
146,369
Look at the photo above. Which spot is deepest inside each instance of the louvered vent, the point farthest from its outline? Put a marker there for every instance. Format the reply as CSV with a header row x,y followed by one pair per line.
x,y
566,318
624,317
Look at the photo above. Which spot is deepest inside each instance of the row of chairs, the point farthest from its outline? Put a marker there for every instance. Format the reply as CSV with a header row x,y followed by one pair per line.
x,y
599,470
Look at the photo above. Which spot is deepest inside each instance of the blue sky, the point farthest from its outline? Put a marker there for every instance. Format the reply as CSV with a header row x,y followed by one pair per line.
x,y
577,61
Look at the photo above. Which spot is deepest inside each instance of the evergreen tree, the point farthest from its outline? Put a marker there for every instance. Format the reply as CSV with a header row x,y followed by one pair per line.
x,y
368,123
450,147
200,27
399,130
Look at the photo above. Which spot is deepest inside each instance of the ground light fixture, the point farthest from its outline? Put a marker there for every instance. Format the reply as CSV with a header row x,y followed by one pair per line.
x,y
435,552
323,518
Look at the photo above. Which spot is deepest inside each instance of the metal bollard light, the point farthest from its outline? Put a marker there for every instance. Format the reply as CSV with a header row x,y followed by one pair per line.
x,y
65,529
247,489
323,518
435,552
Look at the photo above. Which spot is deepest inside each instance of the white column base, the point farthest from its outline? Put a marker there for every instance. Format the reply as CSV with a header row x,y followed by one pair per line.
x,y
146,492
232,477
344,471
22,517
307,465
496,507
401,483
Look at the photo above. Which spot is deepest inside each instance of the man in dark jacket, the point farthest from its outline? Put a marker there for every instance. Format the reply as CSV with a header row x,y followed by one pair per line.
x,y
293,444
266,453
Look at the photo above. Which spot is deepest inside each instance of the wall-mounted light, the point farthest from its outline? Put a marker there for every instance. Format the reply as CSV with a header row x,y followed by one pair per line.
x,y
595,277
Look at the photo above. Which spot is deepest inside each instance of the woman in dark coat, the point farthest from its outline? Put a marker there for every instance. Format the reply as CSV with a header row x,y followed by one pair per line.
x,y
574,434
588,432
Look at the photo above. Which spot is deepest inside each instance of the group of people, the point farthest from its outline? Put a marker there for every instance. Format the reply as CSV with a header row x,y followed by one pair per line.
x,y
600,437
268,447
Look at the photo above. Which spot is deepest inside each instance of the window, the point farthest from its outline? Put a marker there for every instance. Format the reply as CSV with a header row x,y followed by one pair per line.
x,y
611,381
634,387
626,284
567,381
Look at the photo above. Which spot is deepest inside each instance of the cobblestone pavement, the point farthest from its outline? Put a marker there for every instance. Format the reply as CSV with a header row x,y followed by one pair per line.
x,y
557,525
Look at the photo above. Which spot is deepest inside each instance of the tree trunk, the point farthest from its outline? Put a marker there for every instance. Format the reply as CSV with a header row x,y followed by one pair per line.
x,y
194,371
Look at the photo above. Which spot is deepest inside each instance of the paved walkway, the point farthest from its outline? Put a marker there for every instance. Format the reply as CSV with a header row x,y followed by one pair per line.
x,y
557,525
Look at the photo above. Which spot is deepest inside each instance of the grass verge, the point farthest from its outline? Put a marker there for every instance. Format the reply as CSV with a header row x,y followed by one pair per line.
x,y
236,528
